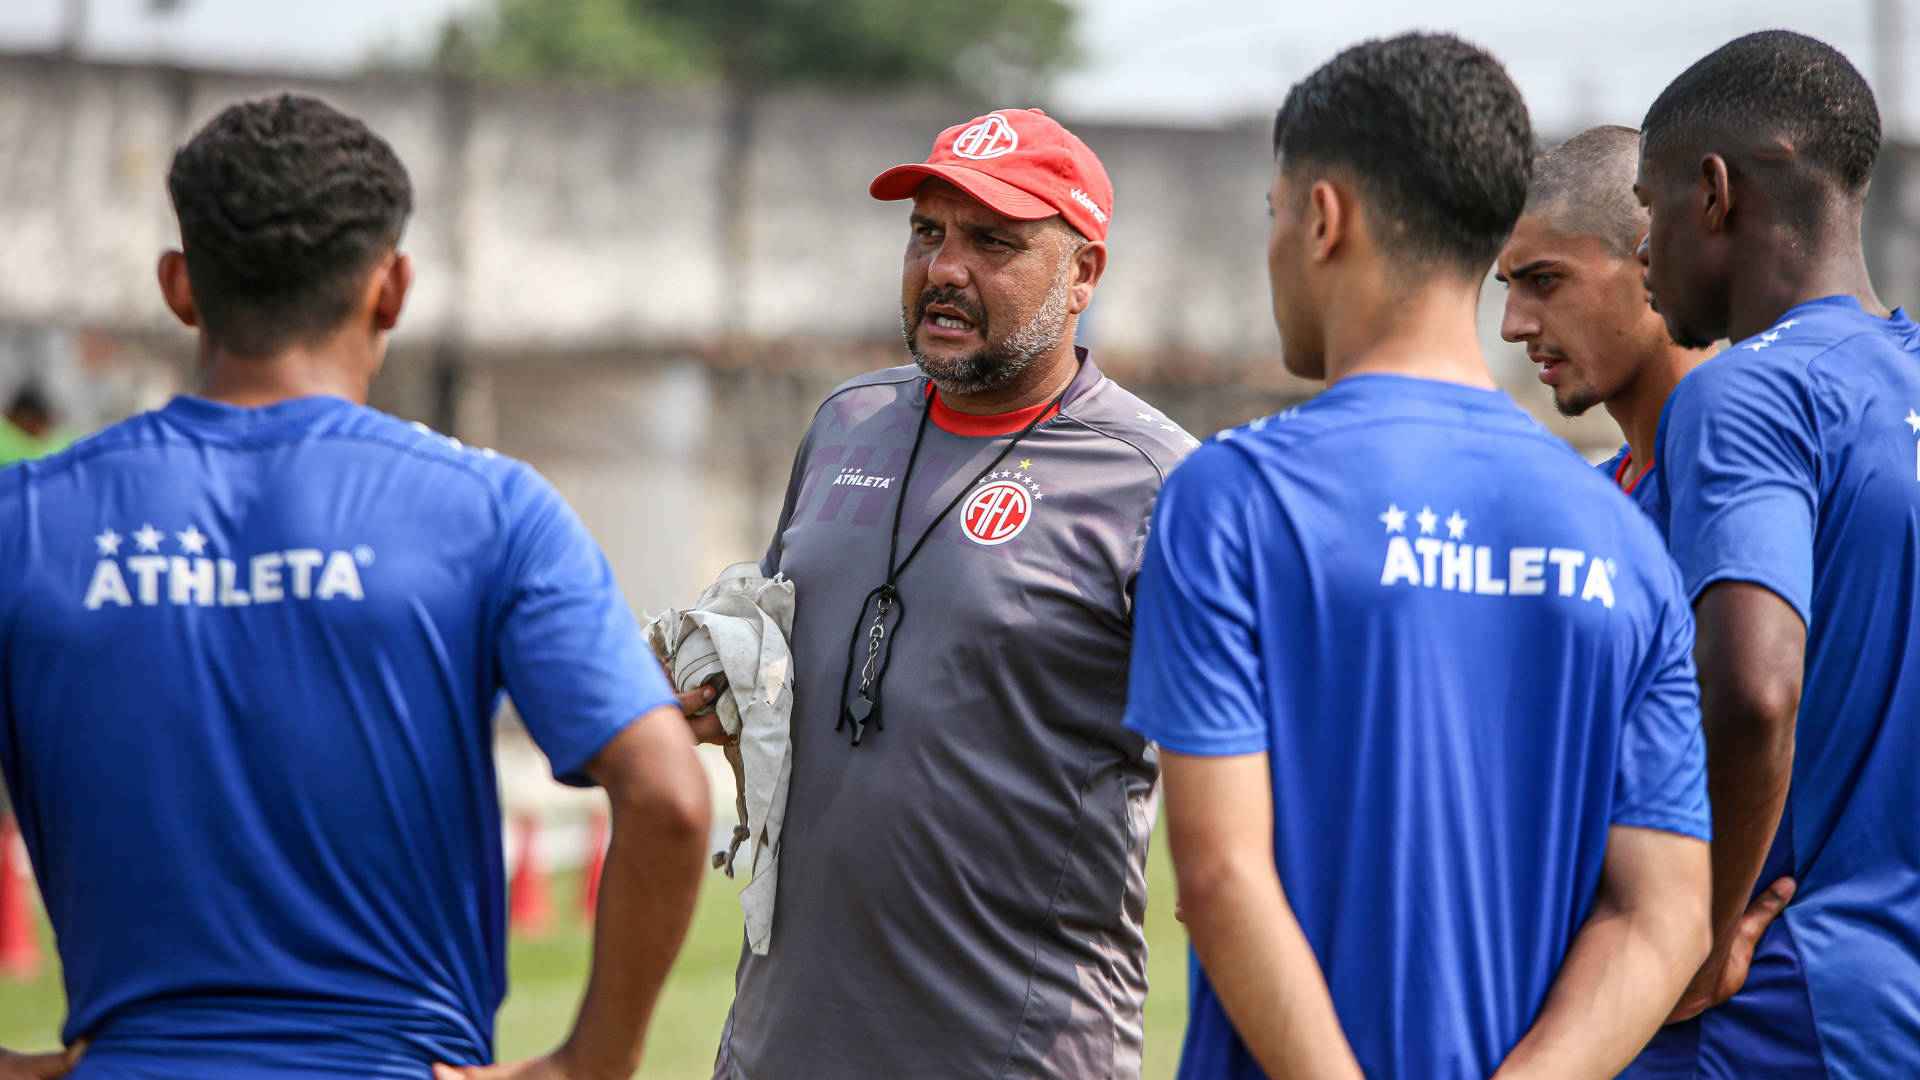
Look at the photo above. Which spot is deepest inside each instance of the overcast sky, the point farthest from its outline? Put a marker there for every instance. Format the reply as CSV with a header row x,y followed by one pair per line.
x,y
1148,59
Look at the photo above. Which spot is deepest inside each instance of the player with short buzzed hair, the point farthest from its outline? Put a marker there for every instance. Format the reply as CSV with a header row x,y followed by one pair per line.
x,y
251,648
1791,469
1576,300
1578,183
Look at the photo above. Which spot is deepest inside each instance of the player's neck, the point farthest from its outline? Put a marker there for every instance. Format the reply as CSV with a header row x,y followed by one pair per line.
x,y
1636,408
324,369
1040,383
1785,278
1430,334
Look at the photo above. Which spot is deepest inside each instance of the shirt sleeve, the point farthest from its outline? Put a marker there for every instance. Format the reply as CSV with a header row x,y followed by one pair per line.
x,y
569,650
1738,457
1661,780
776,547
1194,682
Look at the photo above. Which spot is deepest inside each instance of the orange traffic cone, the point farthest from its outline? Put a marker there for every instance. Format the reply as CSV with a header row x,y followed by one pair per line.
x,y
596,865
19,949
527,906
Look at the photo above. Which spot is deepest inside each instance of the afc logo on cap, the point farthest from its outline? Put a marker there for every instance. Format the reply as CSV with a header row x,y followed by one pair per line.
x,y
996,513
989,137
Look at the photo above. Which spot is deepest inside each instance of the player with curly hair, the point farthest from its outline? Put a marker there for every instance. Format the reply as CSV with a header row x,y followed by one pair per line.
x,y
251,645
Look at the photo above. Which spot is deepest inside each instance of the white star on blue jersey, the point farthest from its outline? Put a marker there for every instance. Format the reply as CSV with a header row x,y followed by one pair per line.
x,y
1456,526
193,541
1427,519
1913,421
149,538
108,542
1395,519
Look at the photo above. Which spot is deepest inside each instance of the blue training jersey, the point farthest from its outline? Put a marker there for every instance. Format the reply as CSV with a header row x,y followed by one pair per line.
x,y
249,663
1645,489
1792,461
1466,656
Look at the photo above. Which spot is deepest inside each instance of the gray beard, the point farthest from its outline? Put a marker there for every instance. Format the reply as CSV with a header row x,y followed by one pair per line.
x,y
998,366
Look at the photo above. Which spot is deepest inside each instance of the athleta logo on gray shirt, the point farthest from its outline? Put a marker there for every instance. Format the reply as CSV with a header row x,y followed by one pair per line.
x,y
852,476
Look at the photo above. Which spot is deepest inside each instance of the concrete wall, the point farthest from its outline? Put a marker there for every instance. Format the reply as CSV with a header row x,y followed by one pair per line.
x,y
557,218
646,300
554,219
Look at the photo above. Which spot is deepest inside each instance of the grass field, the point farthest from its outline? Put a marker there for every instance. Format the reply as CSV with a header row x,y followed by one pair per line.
x,y
547,975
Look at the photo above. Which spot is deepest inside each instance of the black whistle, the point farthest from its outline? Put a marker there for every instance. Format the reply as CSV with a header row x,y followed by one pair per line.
x,y
858,712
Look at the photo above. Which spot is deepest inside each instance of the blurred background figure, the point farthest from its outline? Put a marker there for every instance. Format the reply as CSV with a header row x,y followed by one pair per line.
x,y
645,252
29,428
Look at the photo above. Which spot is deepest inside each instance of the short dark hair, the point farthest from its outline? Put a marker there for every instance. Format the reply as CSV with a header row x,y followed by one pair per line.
x,y
1434,133
1586,185
1774,83
284,204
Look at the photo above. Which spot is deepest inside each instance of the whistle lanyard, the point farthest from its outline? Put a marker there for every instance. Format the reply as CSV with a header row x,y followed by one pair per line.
x,y
885,599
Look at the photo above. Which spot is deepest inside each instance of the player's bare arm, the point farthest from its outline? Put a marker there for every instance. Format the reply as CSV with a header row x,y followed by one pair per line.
x,y
661,811
1750,648
1220,827
49,1066
1646,936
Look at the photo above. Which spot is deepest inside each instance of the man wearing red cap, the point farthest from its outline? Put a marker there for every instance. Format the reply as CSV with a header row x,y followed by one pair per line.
x,y
962,875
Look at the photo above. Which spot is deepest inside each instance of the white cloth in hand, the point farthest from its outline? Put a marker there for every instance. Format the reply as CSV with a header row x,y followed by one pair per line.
x,y
735,638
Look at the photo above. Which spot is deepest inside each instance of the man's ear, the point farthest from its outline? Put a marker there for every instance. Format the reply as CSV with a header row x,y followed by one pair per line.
x,y
390,285
1089,265
1329,220
176,288
1716,192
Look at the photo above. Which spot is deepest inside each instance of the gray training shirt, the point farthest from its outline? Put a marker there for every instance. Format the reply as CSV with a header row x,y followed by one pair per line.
x,y
962,894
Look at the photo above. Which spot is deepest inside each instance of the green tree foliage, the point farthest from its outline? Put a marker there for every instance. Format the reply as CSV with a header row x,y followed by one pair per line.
x,y
598,40
986,46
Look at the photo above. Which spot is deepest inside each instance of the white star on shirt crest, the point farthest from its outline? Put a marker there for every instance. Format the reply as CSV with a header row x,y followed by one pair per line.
x,y
193,541
149,538
1456,526
1395,519
108,542
1025,480
1427,519
1913,421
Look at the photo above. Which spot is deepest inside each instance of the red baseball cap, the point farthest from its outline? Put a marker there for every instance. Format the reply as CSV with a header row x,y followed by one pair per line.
x,y
1018,162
